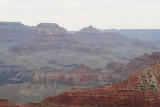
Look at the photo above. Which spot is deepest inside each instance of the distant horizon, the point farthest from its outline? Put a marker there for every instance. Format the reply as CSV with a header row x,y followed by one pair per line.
x,y
82,27
75,14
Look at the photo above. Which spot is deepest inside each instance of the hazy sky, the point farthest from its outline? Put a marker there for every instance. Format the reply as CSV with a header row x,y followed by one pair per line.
x,y
75,14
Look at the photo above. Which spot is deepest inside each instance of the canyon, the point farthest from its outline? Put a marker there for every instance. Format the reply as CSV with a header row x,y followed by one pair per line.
x,y
48,46
86,65
44,83
140,89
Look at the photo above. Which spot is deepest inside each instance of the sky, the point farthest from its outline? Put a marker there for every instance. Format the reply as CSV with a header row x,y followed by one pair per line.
x,y
76,14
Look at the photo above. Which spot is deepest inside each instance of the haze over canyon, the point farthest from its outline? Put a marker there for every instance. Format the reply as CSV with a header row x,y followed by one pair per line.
x,y
89,67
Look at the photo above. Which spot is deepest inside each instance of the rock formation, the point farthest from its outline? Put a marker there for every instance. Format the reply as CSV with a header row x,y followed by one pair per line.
x,y
82,69
6,103
46,83
48,42
135,64
142,89
75,77
50,28
89,30
13,31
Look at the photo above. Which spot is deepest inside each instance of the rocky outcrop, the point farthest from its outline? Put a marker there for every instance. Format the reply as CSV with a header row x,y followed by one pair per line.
x,y
135,64
141,89
79,78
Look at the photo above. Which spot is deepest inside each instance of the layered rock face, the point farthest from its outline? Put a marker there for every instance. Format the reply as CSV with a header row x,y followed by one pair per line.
x,y
80,75
46,83
49,36
13,31
135,64
48,45
142,89
16,31
79,78
46,36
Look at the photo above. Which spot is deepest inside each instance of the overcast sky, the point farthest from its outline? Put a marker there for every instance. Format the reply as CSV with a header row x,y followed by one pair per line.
x,y
75,14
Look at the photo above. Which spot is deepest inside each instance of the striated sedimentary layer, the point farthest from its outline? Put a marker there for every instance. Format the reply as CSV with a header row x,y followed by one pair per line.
x,y
13,31
79,78
135,64
44,83
142,89
80,75
49,46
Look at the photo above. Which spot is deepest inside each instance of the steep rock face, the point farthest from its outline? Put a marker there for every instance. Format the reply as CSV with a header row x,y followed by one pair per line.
x,y
135,64
141,89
